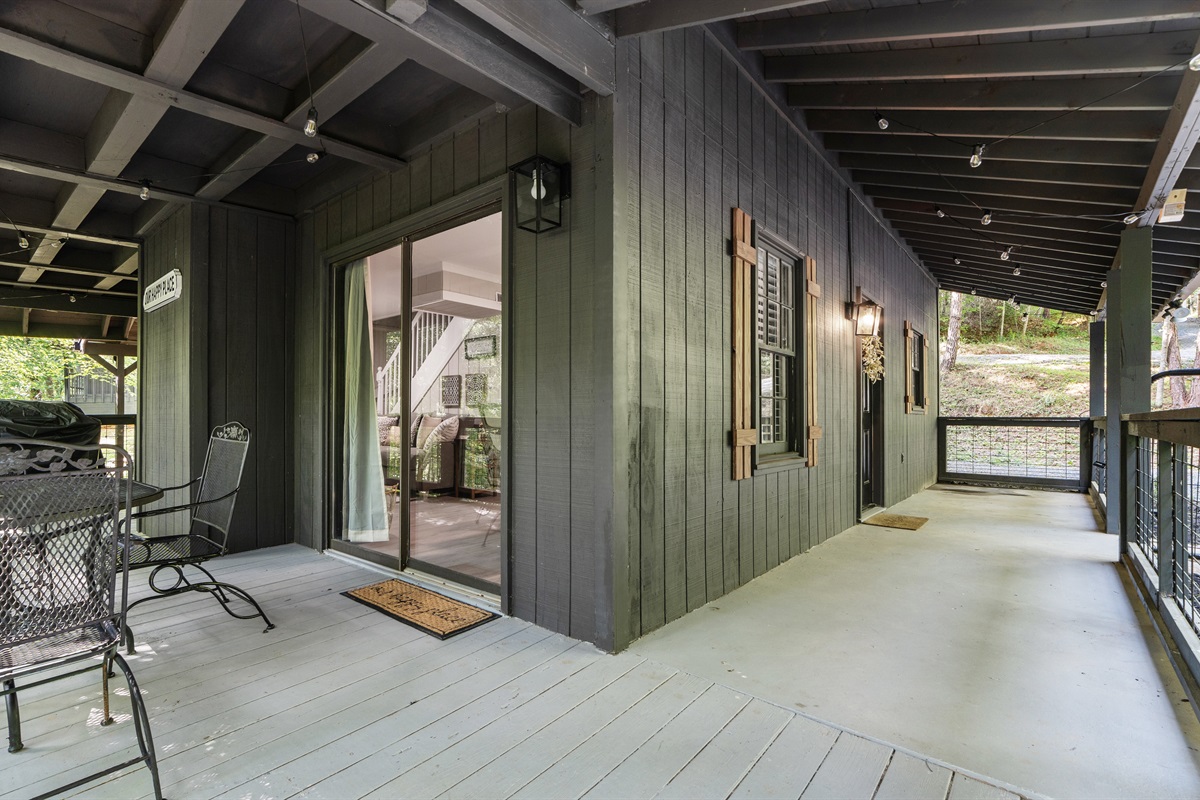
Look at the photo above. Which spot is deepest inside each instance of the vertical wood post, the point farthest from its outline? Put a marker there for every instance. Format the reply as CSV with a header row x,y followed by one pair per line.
x,y
1096,369
1128,365
1167,484
745,258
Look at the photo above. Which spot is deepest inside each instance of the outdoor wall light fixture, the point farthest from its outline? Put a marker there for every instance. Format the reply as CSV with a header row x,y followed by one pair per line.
x,y
539,188
866,318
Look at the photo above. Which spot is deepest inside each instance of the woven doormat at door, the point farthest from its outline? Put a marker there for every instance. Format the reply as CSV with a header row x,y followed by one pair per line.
x,y
431,612
896,521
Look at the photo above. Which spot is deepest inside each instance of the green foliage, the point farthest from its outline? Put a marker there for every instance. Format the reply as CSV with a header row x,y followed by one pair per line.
x,y
982,317
35,369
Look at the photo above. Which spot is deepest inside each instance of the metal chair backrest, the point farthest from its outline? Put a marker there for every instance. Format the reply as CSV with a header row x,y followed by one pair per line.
x,y
227,447
61,526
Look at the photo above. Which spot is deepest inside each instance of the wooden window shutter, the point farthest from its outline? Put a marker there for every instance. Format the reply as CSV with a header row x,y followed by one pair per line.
x,y
910,390
745,258
812,294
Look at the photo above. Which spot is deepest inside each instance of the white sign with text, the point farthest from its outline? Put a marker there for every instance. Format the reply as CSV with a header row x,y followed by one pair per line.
x,y
166,289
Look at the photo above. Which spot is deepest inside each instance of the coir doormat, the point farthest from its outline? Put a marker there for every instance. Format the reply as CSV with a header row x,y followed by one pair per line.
x,y
896,521
428,611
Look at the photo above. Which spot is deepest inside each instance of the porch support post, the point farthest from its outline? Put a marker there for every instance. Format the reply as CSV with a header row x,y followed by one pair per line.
x,y
1096,368
1128,367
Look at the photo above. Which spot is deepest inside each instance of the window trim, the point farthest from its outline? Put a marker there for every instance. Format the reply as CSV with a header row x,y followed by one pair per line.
x,y
911,337
796,452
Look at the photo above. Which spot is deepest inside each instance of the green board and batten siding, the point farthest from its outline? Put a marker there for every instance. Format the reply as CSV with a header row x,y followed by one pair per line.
x,y
557,301
622,512
220,353
694,137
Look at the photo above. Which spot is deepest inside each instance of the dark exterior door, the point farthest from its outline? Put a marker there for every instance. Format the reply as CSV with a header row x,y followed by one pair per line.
x,y
871,439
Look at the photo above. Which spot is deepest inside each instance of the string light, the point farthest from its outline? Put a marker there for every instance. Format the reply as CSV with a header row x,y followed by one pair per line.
x,y
977,156
313,157
1131,218
145,192
57,243
937,210
1194,63
1103,284
1006,254
957,261
1017,270
972,291
881,121
310,124
986,219
22,241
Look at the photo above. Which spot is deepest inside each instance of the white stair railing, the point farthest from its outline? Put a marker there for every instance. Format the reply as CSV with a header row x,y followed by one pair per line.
x,y
427,330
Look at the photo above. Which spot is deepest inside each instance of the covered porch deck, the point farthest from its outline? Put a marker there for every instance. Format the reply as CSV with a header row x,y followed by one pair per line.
x,y
1000,637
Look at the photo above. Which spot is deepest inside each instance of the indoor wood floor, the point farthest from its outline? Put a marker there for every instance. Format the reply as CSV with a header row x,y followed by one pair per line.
x,y
340,701
458,534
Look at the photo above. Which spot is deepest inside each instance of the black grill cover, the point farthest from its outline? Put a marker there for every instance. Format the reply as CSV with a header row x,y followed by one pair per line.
x,y
56,421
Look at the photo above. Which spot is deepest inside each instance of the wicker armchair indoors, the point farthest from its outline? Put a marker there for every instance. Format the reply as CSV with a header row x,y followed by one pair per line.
x,y
64,579
208,532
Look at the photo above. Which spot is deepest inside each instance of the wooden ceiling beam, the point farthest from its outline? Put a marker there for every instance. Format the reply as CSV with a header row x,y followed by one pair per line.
x,y
1103,199
555,32
457,46
1101,55
338,84
1054,233
47,55
1099,126
600,6
1052,151
66,269
1055,94
953,19
1075,174
1026,260
653,16
1004,207
952,234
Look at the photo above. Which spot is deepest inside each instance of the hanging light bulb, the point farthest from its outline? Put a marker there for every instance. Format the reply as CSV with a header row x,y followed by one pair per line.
x,y
1013,300
1194,64
310,124
145,192
1006,254
538,190
1131,218
57,243
313,157
1017,270
881,121
1103,284
938,210
972,291
986,219
977,156
22,242
957,262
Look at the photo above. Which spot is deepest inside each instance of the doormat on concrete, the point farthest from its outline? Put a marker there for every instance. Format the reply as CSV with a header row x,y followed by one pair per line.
x,y
425,610
896,521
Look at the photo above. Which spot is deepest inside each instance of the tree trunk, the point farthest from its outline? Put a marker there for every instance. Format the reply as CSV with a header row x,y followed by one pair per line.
x,y
952,329
1194,396
1170,359
1003,313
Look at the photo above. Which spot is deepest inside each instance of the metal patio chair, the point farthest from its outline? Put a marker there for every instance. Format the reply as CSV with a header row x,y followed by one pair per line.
x,y
64,578
208,530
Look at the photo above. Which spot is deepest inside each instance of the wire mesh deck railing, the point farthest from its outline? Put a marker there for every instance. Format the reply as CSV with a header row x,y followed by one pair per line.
x,y
1036,452
1162,522
119,430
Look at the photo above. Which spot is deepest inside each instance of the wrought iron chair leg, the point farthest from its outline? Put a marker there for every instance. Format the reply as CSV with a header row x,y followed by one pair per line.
x,y
244,596
14,717
128,633
141,724
104,673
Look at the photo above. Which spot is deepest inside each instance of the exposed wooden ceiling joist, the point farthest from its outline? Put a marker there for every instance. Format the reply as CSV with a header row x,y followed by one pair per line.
x,y
452,47
663,15
1068,233
1176,144
952,19
953,236
1100,126
1004,207
556,33
1052,151
1078,174
600,6
1094,199
30,49
23,223
34,297
1100,55
1052,94
66,269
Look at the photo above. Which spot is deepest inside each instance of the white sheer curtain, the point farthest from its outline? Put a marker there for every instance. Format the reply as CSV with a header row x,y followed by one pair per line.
x,y
366,512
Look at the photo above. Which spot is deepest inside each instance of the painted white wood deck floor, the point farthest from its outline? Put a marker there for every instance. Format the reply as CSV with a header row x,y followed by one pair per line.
x,y
340,701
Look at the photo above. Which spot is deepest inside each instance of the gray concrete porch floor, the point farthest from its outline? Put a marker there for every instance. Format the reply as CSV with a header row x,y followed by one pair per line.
x,y
999,637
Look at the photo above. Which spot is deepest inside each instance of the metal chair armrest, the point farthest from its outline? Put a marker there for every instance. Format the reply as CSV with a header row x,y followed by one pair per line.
x,y
192,482
154,512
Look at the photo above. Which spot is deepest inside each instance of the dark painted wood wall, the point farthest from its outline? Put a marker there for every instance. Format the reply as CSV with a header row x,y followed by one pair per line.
x,y
220,353
695,137
557,301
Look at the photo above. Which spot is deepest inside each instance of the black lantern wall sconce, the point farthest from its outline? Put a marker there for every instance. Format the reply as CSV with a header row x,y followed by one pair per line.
x,y
539,188
865,315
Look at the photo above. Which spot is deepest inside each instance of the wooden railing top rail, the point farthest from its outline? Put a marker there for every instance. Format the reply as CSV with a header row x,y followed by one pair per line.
x,y
1164,414
1016,422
